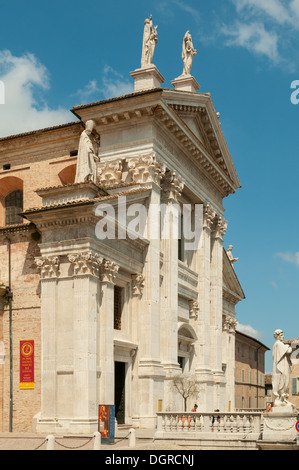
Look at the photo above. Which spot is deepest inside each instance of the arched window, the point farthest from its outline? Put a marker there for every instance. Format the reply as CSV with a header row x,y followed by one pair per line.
x,y
13,207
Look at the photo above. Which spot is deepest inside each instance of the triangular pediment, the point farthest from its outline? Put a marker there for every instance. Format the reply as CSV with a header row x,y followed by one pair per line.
x,y
199,115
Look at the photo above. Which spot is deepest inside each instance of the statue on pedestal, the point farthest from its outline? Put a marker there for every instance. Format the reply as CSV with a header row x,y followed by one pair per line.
x,y
282,365
188,53
86,160
150,39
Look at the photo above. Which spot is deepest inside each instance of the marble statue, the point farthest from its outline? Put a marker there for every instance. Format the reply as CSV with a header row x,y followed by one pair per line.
x,y
150,39
230,255
281,369
188,53
86,160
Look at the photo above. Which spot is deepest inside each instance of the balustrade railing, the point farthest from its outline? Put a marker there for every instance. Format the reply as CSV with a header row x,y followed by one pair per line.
x,y
241,423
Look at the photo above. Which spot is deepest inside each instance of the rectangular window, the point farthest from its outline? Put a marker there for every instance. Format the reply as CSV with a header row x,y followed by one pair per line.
x,y
118,307
295,385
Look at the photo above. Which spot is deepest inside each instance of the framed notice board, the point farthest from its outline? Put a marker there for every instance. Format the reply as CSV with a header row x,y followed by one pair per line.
x,y
107,423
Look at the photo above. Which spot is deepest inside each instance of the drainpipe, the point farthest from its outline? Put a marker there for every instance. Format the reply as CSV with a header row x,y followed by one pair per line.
x,y
9,298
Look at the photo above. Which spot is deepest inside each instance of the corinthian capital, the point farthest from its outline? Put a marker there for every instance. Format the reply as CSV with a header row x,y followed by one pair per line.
x,y
137,284
110,172
220,227
209,215
145,169
172,185
48,266
109,271
85,263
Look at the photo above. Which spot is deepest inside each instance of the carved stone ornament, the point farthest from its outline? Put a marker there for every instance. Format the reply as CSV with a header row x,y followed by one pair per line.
x,y
109,270
110,172
172,185
137,284
48,266
145,169
209,215
229,323
193,309
220,227
85,263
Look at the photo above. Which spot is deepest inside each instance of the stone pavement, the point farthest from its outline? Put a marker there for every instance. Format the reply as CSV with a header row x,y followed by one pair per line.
x,y
31,441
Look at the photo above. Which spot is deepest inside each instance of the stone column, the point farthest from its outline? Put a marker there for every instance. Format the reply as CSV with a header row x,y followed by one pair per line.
x,y
217,307
105,332
86,268
172,186
203,349
49,272
146,169
228,351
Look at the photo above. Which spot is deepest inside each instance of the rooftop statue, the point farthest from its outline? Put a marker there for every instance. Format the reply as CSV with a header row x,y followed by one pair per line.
x,y
86,160
281,370
188,53
150,39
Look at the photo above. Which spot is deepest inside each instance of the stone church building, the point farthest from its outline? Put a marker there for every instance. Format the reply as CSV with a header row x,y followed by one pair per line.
x,y
112,320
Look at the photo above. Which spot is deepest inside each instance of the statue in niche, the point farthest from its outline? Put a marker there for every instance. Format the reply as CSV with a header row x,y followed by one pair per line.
x,y
150,39
188,53
87,155
282,365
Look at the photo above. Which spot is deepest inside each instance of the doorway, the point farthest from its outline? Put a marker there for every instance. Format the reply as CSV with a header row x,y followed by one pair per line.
x,y
119,391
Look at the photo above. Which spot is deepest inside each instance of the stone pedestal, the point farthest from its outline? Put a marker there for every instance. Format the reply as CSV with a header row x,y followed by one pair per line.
x,y
279,424
147,78
186,83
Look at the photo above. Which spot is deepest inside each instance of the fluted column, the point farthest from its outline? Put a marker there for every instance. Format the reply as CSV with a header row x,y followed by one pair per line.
x,y
49,272
203,347
105,330
172,186
86,269
217,307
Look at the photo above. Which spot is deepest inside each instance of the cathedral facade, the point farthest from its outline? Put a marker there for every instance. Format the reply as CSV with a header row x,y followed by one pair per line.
x,y
113,313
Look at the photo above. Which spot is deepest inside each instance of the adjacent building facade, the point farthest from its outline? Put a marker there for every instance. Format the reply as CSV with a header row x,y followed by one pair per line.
x,y
250,373
113,319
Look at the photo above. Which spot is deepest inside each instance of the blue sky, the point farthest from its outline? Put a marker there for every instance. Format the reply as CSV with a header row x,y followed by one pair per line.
x,y
54,55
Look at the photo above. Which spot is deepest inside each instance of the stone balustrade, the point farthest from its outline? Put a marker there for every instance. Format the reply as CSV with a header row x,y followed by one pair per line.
x,y
234,425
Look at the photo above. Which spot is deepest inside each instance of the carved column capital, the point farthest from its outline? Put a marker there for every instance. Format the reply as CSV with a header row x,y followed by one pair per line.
x,y
220,227
209,215
87,263
137,284
146,169
110,172
48,266
109,271
172,185
229,323
193,309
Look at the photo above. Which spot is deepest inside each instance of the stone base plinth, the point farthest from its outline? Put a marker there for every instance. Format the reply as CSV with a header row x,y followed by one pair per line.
x,y
185,83
69,193
147,78
279,424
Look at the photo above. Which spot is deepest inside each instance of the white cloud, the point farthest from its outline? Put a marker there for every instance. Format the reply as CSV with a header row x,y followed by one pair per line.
x,y
253,37
114,84
25,109
250,331
290,257
88,91
272,8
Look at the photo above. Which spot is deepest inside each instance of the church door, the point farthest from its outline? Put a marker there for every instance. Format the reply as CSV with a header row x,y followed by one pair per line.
x,y
120,375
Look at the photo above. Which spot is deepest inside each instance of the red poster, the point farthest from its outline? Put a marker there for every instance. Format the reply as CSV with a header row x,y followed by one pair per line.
x,y
27,365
